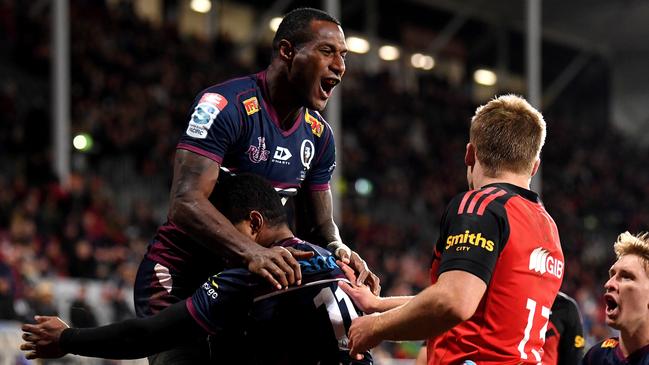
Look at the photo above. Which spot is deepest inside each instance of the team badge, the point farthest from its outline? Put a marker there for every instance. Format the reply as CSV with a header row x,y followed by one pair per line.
x,y
306,153
316,126
206,110
258,153
251,105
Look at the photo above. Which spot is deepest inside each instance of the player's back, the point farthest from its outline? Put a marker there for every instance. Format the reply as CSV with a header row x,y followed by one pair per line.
x,y
303,325
509,324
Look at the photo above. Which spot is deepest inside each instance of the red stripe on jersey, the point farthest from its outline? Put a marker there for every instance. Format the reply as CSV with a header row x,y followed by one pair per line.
x,y
488,200
477,197
466,197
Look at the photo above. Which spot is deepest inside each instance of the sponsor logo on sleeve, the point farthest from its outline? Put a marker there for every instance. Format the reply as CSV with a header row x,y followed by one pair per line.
x,y
306,153
251,105
208,107
610,343
467,240
211,290
579,342
542,262
316,126
258,153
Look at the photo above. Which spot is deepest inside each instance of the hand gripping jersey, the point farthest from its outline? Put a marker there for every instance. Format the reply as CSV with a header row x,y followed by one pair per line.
x,y
503,235
564,338
235,125
608,352
253,323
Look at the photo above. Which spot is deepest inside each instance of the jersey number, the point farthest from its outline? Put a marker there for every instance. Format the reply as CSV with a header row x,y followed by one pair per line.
x,y
333,300
545,313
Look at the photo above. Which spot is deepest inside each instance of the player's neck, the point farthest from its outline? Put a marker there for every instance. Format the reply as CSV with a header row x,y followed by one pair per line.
x,y
633,340
275,235
517,180
282,96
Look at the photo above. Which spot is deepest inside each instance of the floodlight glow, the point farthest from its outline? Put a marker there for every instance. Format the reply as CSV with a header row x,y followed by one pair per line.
x,y
82,142
363,187
485,77
201,6
274,23
416,60
389,53
422,61
357,45
428,63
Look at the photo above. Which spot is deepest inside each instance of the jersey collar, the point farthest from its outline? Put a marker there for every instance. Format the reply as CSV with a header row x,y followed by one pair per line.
x,y
270,109
527,194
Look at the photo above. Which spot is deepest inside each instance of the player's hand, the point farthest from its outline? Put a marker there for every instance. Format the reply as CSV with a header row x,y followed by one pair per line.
x,y
360,294
362,336
364,275
278,265
42,339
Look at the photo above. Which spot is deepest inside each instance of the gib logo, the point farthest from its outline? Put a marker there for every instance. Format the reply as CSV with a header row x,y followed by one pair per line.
x,y
541,262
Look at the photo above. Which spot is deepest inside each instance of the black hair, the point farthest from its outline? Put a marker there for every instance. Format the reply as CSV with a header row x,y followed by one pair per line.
x,y
237,195
296,26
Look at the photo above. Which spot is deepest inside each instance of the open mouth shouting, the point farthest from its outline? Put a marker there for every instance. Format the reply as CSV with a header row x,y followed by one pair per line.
x,y
327,85
612,307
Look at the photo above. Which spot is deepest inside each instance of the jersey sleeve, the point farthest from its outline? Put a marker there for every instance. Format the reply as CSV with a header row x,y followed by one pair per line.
x,y
223,301
324,161
571,346
213,126
470,242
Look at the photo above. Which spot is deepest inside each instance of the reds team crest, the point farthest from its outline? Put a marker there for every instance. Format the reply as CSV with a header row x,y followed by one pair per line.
x,y
258,153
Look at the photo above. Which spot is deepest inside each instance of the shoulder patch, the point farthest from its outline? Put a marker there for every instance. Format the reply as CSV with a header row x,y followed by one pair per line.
x,y
579,342
208,107
610,343
317,127
251,105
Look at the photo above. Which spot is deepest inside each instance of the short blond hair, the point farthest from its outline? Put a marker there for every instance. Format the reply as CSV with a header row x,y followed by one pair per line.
x,y
508,134
628,244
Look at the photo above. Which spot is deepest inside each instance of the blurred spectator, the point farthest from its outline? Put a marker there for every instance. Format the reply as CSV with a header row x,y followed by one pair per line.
x,y
81,314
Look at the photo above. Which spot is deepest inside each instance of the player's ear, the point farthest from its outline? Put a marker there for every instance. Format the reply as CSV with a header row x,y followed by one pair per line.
x,y
535,168
256,222
286,50
469,156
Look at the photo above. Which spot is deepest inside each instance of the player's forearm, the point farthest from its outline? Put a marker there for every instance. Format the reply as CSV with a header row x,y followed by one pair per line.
x,y
325,230
107,342
425,316
134,338
384,304
198,217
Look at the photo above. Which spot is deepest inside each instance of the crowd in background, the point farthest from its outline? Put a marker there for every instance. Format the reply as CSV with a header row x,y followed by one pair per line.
x,y
132,86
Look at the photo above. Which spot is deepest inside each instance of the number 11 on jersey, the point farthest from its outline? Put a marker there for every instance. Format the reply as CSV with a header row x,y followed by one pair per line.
x,y
333,302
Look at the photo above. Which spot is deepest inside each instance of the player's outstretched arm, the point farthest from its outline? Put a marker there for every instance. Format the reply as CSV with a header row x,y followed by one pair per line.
x,y
440,307
194,179
364,299
326,228
131,339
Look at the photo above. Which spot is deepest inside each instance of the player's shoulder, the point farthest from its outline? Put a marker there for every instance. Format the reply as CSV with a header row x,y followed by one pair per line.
x,y
563,300
319,126
224,96
602,351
